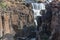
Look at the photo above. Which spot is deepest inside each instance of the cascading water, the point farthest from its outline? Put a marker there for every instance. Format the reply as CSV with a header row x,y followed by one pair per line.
x,y
37,7
36,11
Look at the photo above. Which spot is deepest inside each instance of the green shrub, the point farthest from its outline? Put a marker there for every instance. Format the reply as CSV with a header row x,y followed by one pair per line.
x,y
3,5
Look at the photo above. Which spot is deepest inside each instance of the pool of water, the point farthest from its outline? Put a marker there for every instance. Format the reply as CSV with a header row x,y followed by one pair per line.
x,y
33,39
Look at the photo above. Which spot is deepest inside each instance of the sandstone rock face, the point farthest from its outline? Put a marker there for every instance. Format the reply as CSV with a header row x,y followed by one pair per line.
x,y
20,12
16,15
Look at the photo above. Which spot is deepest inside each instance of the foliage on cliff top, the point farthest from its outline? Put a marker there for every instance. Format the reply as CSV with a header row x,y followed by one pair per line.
x,y
3,5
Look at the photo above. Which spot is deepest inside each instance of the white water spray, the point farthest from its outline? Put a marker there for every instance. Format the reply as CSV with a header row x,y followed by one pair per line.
x,y
49,1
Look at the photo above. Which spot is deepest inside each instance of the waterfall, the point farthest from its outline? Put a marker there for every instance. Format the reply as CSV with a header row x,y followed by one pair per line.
x,y
37,7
